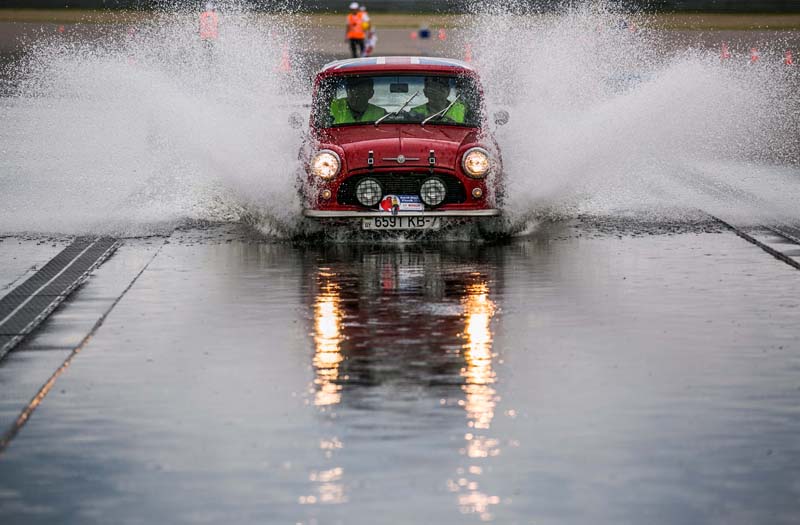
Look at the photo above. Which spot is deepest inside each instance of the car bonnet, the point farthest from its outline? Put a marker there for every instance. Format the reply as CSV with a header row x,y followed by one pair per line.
x,y
400,145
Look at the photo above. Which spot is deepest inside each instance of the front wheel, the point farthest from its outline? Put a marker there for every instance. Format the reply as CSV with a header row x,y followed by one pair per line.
x,y
493,228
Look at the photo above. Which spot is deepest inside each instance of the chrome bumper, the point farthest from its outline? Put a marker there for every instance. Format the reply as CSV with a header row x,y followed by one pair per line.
x,y
318,214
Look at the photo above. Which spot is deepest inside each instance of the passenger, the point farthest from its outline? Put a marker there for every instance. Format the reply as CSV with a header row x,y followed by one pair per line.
x,y
371,38
355,30
437,89
355,107
365,20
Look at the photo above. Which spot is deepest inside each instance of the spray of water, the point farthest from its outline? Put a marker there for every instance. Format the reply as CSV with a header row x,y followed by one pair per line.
x,y
146,126
609,117
137,130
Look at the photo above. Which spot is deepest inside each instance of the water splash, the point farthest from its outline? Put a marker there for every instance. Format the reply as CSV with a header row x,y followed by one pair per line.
x,y
144,127
139,128
610,116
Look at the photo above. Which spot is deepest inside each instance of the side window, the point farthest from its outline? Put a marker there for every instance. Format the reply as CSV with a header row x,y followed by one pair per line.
x,y
328,91
469,95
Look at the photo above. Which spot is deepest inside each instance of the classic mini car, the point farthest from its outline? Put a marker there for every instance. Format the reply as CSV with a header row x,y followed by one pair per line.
x,y
400,143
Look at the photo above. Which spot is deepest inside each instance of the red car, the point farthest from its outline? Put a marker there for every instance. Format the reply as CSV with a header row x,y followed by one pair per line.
x,y
400,143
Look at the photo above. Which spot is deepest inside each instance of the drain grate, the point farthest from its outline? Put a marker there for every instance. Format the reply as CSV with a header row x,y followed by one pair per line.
x,y
27,305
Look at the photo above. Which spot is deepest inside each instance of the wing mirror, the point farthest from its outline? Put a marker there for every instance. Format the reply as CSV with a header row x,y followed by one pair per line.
x,y
501,117
295,120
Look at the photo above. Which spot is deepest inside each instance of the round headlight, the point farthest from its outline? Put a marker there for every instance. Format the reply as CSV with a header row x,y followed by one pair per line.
x,y
369,192
476,162
325,164
432,192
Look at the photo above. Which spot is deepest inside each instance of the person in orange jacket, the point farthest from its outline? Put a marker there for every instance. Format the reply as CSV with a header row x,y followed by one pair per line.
x,y
209,30
209,24
369,31
355,30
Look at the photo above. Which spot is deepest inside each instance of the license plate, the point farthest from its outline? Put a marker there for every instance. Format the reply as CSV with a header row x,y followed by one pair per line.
x,y
398,222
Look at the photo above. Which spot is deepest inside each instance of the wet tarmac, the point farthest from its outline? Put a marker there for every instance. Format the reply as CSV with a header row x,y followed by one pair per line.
x,y
597,370
578,375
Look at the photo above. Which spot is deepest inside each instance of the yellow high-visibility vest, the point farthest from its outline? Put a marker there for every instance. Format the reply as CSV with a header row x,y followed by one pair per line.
x,y
342,114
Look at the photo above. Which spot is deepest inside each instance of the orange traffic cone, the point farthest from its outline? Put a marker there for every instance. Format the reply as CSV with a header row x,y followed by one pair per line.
x,y
788,59
754,55
60,29
442,34
725,54
286,64
413,35
467,52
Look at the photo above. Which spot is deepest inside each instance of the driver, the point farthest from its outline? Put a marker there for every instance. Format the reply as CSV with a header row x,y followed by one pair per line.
x,y
437,89
355,107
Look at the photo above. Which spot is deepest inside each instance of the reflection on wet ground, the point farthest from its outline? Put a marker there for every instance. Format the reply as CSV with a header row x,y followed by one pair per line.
x,y
573,377
415,323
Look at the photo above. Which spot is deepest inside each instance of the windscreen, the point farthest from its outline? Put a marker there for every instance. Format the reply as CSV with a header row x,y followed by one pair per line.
x,y
359,100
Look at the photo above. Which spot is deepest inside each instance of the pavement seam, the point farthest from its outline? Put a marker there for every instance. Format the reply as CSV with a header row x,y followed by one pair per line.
x,y
749,238
29,409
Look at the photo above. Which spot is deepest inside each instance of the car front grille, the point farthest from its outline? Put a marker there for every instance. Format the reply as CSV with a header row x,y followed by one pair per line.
x,y
402,184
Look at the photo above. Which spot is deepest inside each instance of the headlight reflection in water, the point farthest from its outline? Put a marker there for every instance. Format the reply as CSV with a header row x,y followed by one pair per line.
x,y
479,396
328,482
479,403
327,340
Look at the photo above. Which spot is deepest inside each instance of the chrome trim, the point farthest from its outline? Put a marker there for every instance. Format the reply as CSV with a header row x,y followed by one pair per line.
x,y
401,159
324,214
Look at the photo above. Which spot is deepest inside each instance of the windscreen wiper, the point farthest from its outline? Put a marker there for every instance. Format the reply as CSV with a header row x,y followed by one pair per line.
x,y
441,112
398,111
